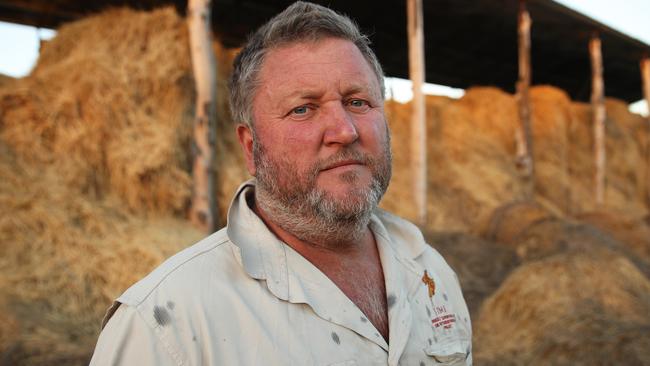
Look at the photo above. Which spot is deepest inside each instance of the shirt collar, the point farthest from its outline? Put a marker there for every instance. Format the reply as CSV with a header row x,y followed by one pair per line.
x,y
263,255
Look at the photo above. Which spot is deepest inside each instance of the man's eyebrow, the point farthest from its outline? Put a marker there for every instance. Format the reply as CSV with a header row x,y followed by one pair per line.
x,y
359,88
304,94
353,89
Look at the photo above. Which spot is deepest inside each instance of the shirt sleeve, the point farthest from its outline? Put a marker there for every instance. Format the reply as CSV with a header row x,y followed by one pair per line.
x,y
128,340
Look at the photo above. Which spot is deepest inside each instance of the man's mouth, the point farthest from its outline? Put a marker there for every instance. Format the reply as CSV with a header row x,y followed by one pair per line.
x,y
342,163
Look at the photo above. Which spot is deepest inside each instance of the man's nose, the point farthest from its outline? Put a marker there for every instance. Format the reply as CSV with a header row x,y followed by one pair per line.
x,y
340,127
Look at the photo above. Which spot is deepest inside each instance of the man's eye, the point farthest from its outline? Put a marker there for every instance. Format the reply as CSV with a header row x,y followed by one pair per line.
x,y
300,110
359,104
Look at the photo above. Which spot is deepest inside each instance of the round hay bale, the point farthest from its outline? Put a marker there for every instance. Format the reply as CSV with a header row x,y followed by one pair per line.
x,y
577,308
508,222
533,233
632,232
481,265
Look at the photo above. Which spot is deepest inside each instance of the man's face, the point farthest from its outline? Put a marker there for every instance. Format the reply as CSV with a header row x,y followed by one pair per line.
x,y
321,141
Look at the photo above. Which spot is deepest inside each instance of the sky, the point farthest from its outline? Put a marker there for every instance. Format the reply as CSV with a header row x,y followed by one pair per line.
x,y
19,44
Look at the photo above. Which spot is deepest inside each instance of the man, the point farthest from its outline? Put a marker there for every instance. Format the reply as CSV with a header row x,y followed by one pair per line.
x,y
308,271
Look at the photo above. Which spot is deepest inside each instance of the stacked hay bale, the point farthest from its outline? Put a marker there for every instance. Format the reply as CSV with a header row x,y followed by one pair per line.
x,y
625,162
64,258
470,152
576,308
94,177
471,148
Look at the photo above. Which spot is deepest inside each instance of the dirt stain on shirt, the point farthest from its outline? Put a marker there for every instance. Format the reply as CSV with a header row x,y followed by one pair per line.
x,y
161,316
335,338
390,300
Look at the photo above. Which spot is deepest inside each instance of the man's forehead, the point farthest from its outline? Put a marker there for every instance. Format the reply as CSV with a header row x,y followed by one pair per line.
x,y
294,64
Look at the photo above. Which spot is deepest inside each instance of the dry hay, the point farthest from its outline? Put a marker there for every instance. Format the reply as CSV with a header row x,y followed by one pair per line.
x,y
470,158
94,150
509,221
535,233
64,258
481,265
551,118
111,102
577,308
624,167
471,149
229,161
5,79
108,104
632,232
563,146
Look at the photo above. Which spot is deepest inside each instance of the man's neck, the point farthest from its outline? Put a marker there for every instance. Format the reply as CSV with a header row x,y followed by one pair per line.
x,y
354,266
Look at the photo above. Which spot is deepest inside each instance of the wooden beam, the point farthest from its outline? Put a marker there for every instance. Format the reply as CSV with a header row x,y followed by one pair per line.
x,y
645,81
598,116
203,206
418,117
524,139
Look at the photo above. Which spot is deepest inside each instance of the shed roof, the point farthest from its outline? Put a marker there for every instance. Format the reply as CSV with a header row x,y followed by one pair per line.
x,y
468,42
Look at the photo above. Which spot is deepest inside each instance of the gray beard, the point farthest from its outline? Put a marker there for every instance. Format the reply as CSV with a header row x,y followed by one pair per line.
x,y
293,202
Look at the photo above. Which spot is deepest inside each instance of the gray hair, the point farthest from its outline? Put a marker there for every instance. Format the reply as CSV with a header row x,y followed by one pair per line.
x,y
301,21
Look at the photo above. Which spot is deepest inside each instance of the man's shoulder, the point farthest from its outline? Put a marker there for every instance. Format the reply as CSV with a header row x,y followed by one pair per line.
x,y
182,270
406,234
411,238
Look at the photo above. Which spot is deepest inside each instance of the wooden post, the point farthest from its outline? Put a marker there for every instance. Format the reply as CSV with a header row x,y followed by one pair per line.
x,y
598,116
645,80
524,140
418,117
203,206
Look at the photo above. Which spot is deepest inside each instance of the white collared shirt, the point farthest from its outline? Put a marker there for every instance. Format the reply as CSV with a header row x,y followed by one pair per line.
x,y
243,297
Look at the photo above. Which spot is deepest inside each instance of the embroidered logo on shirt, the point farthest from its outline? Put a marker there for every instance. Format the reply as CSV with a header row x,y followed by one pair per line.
x,y
443,318
430,284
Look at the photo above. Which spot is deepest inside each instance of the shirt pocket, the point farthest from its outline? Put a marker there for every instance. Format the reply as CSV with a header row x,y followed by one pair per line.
x,y
456,353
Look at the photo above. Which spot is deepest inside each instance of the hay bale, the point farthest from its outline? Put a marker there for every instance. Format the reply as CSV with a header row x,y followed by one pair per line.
x,y
471,167
578,308
632,232
551,117
94,150
625,182
535,233
64,258
509,222
229,163
108,104
5,79
481,265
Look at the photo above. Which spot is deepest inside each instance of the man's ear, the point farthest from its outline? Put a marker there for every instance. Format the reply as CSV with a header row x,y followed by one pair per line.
x,y
245,137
